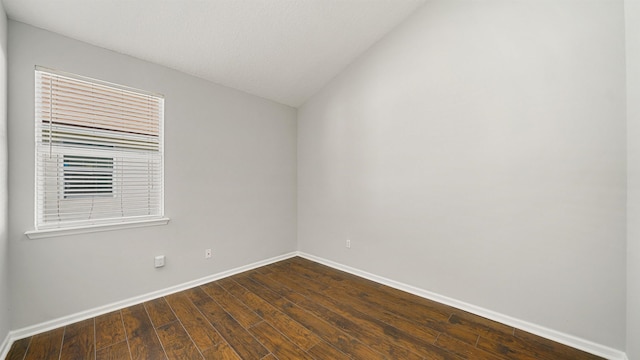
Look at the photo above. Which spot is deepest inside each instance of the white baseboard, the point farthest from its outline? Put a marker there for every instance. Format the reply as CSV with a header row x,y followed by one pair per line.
x,y
563,338
5,346
87,314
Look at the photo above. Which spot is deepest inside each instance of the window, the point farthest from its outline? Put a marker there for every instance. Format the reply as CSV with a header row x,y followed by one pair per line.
x,y
99,153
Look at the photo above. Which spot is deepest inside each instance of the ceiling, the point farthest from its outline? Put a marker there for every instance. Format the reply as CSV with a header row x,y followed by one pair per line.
x,y
283,50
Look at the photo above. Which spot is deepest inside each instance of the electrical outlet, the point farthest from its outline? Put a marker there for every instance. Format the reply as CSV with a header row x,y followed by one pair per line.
x,y
159,261
207,253
348,244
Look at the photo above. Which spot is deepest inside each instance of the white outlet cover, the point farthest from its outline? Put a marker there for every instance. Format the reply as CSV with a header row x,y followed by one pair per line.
x,y
159,261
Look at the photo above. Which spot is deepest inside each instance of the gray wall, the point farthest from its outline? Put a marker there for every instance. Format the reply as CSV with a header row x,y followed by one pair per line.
x,y
230,173
632,11
4,246
478,151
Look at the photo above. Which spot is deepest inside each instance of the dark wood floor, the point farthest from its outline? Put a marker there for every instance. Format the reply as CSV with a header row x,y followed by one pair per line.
x,y
294,309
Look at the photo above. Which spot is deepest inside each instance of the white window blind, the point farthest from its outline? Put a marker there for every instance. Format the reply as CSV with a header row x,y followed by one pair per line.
x,y
99,152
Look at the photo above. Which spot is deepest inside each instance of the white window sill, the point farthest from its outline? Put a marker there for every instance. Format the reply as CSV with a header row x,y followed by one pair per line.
x,y
39,234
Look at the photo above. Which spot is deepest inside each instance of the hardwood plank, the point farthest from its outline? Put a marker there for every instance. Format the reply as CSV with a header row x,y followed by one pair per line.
x,y
146,347
240,312
197,326
45,346
514,348
220,351
376,334
136,321
395,301
457,332
142,338
387,310
322,350
196,295
298,334
260,290
369,287
360,326
263,269
18,349
561,351
159,312
236,336
277,343
109,329
366,289
118,351
365,332
410,335
269,357
79,325
78,342
484,327
176,343
429,326
424,318
345,343
464,350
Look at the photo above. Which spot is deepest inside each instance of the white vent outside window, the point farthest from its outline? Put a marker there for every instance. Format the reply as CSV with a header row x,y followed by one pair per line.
x,y
99,154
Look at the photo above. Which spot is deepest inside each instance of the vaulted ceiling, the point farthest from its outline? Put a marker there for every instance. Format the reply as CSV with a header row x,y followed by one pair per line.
x,y
283,50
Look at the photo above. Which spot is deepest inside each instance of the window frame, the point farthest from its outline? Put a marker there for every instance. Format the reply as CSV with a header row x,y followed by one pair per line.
x,y
70,227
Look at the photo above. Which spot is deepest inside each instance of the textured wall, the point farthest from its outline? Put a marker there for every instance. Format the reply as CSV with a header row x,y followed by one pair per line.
x,y
632,11
4,245
230,183
478,151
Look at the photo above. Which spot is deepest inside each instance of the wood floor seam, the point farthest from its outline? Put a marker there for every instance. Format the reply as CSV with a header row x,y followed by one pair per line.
x,y
126,337
183,327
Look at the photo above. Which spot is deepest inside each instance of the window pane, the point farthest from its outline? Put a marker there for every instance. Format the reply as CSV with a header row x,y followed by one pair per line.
x,y
86,176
